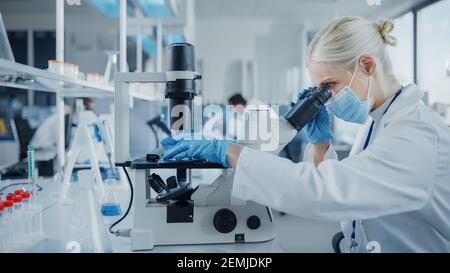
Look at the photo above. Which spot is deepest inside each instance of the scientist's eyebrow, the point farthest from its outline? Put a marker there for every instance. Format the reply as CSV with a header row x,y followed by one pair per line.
x,y
327,81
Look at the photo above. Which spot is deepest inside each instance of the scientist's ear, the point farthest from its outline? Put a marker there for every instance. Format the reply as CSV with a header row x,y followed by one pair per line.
x,y
367,64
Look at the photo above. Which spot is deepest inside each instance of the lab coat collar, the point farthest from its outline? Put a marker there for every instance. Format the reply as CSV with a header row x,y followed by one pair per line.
x,y
378,113
409,97
404,104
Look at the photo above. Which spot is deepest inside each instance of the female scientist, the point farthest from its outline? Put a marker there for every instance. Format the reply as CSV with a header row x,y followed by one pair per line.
x,y
394,188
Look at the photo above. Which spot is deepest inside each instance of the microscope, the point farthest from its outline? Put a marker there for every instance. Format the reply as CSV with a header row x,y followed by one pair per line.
x,y
172,211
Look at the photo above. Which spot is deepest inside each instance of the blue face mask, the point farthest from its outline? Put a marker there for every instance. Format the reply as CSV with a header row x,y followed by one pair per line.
x,y
347,106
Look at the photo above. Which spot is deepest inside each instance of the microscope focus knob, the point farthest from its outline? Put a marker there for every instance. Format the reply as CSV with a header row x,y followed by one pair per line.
x,y
253,222
225,221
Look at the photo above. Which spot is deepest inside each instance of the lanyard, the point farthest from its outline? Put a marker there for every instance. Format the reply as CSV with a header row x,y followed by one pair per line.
x,y
354,244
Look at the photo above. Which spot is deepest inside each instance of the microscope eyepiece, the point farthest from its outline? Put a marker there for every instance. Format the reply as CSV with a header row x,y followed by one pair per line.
x,y
323,94
180,57
305,110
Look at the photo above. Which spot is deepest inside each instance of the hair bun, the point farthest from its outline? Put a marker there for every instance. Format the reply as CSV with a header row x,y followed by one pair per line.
x,y
385,27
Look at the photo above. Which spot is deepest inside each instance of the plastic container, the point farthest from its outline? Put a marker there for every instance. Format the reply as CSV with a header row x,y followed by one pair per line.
x,y
8,239
94,77
34,217
28,215
2,229
10,196
56,67
18,192
63,68
19,223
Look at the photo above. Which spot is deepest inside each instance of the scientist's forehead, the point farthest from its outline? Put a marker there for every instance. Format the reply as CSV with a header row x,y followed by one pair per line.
x,y
321,73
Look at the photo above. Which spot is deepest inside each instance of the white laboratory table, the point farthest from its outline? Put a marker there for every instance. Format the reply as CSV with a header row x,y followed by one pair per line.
x,y
56,222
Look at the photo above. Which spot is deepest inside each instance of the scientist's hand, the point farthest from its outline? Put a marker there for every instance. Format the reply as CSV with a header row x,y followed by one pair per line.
x,y
170,142
318,130
210,150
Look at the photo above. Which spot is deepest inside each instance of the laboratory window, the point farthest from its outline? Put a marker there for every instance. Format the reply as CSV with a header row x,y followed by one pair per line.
x,y
44,48
434,52
19,45
402,56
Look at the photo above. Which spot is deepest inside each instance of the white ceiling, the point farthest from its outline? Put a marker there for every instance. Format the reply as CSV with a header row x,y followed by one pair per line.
x,y
296,11
300,9
41,6
245,8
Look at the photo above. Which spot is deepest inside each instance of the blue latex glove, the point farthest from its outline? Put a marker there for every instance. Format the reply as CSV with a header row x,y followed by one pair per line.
x,y
210,150
318,130
169,142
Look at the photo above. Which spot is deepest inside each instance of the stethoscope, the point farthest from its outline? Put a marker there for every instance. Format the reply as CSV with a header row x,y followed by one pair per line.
x,y
353,243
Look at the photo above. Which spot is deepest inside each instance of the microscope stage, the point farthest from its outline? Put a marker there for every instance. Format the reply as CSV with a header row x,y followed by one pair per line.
x,y
142,163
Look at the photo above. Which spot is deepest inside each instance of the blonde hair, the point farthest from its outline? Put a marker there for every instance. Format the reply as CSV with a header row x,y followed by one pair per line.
x,y
344,40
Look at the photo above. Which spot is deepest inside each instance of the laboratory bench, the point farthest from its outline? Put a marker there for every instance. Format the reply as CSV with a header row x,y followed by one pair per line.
x,y
292,234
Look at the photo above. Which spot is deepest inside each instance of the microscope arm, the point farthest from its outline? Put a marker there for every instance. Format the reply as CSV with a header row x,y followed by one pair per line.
x,y
286,134
280,136
295,119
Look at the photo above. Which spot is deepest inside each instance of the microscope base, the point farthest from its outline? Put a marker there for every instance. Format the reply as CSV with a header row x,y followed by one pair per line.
x,y
147,232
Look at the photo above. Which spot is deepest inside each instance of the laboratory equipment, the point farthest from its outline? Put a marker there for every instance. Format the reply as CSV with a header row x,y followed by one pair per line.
x,y
93,141
305,110
110,206
64,68
111,66
20,223
83,142
158,123
94,77
31,170
2,227
175,212
8,232
56,67
85,224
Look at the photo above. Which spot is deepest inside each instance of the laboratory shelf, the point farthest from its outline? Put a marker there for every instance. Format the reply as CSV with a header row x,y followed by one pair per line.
x,y
26,77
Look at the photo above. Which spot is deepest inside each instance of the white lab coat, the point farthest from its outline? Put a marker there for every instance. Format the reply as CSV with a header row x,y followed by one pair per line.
x,y
45,139
398,188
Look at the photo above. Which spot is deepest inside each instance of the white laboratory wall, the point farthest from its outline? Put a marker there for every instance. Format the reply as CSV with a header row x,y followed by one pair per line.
x,y
280,57
222,45
226,46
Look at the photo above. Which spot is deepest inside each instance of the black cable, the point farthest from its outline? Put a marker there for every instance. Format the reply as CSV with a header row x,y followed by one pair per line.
x,y
129,205
39,188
